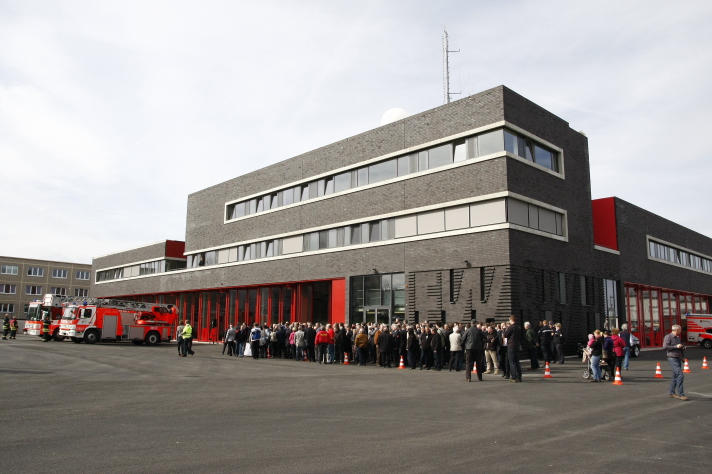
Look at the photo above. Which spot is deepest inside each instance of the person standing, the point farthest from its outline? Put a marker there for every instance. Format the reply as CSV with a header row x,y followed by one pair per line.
x,y
530,343
13,328
625,335
300,343
474,343
514,340
187,339
426,338
437,345
385,347
672,343
322,344
618,347
179,338
310,335
596,345
558,338
229,342
545,341
241,338
5,326
45,329
255,338
455,348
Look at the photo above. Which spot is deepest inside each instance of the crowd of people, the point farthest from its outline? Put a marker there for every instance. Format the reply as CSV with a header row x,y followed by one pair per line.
x,y
474,347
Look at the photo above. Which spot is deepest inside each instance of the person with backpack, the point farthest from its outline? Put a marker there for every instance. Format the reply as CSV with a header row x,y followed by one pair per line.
x,y
255,338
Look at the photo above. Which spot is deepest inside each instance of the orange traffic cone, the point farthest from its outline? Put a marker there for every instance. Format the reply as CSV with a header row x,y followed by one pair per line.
x,y
704,363
346,358
686,370
305,356
547,372
269,353
474,367
618,380
658,372
402,365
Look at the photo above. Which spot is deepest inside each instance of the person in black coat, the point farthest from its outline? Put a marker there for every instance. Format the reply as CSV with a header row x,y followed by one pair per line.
x,y
310,335
426,350
437,345
411,346
385,347
474,344
278,347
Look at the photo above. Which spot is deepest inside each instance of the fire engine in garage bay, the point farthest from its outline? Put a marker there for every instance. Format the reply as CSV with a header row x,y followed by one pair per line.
x,y
97,319
52,306
699,329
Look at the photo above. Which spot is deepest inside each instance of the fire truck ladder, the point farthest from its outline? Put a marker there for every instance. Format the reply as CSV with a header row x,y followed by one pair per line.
x,y
112,303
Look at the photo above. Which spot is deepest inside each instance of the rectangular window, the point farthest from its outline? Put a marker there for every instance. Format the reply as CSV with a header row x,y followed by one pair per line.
x,y
8,269
488,213
406,226
404,165
413,165
320,187
332,238
35,271
7,308
311,241
429,222
362,179
457,218
329,186
547,220
8,289
365,233
81,275
517,212
252,206
533,216
374,234
292,244
342,182
276,200
303,193
545,158
491,142
460,151
382,171
261,203
510,142
347,235
288,196
440,156
58,291
423,160
340,233
562,288
356,234
82,292
236,210
33,290
56,273
471,147
323,239
524,148
314,190
269,251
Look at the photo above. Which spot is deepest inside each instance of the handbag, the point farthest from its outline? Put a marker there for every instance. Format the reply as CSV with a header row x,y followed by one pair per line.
x,y
248,350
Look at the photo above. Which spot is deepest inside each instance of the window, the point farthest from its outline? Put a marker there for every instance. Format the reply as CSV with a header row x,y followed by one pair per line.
x,y
342,182
276,200
328,186
311,241
314,189
56,273
362,179
35,271
8,269
404,165
440,156
260,204
33,290
59,291
7,308
423,160
374,234
82,292
26,308
8,289
534,217
490,142
432,221
679,257
382,171
355,234
488,213
544,157
562,288
292,244
81,275
460,151
288,196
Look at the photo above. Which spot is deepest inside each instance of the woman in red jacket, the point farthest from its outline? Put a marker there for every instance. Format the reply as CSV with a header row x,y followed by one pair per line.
x,y
618,347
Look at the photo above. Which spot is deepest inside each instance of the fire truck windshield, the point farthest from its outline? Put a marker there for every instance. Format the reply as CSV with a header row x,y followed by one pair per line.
x,y
33,313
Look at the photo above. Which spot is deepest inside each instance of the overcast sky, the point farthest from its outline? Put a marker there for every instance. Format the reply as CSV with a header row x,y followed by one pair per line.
x,y
111,113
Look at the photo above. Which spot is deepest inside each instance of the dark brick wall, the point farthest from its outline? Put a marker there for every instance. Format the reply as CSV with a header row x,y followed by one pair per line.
x,y
634,223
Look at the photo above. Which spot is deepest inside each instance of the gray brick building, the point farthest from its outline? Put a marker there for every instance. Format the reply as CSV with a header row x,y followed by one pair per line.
x,y
480,208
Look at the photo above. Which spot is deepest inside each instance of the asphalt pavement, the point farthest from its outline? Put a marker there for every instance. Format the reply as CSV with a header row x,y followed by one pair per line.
x,y
115,407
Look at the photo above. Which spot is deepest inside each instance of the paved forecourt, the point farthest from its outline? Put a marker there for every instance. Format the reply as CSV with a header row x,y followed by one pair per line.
x,y
122,408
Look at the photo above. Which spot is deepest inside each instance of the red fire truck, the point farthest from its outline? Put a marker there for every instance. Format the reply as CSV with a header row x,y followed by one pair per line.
x,y
699,329
52,306
97,319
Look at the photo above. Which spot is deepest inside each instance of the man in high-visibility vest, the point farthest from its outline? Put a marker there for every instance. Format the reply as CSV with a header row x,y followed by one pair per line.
x,y
5,326
187,339
45,329
13,328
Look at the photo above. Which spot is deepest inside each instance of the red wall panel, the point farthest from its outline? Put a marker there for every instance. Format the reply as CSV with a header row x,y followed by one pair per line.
x,y
605,230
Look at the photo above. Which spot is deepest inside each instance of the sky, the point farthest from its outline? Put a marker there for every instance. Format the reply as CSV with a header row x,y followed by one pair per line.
x,y
112,113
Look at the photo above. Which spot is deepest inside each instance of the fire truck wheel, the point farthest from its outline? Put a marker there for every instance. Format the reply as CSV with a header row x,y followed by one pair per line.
x,y
138,343
91,336
707,343
152,338
57,337
76,339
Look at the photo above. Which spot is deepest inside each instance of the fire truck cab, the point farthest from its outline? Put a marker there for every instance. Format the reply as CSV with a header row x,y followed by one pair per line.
x,y
699,329
103,319
52,306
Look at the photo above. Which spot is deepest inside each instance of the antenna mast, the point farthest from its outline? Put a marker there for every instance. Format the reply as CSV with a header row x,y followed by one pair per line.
x,y
446,69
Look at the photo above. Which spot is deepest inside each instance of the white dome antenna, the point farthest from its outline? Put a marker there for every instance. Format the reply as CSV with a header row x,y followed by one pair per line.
x,y
393,115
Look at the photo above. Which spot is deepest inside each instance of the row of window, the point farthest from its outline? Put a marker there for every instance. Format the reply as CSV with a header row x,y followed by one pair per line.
x,y
680,257
39,272
147,268
477,214
441,155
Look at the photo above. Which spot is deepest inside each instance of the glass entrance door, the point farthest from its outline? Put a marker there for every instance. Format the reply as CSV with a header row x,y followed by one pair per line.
x,y
377,314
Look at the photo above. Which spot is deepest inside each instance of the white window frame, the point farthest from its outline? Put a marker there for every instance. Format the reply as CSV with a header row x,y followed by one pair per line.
x,y
4,269
32,270
12,288
60,273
